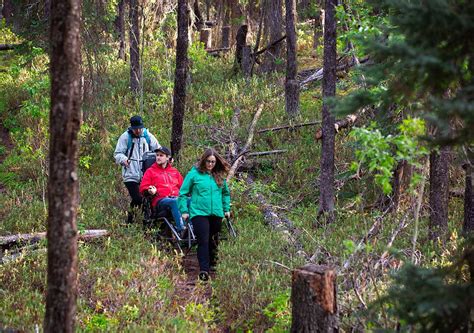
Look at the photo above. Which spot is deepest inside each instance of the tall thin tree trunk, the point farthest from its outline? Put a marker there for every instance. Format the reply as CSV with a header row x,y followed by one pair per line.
x,y
439,193
7,11
63,185
468,226
47,9
326,198
135,70
179,93
292,86
273,32
199,24
318,28
121,28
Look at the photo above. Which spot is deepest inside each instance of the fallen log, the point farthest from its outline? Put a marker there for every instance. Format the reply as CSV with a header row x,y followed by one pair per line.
x,y
6,47
15,240
289,127
255,54
277,221
348,121
218,50
317,74
269,152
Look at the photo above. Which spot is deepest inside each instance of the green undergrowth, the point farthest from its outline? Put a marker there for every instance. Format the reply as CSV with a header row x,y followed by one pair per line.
x,y
127,282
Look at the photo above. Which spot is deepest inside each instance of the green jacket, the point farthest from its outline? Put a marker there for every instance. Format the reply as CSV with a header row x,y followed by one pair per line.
x,y
206,197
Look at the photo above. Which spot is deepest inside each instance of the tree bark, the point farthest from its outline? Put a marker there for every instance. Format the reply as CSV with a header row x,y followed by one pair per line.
x,y
468,226
273,31
225,37
7,11
121,28
326,198
63,185
135,70
292,86
199,24
241,40
313,299
318,28
439,193
179,91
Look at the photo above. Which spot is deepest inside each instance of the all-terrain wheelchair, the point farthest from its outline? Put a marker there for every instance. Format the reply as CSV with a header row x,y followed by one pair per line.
x,y
164,228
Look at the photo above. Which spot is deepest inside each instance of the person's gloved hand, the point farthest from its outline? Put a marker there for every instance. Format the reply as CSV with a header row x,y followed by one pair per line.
x,y
185,216
227,214
152,190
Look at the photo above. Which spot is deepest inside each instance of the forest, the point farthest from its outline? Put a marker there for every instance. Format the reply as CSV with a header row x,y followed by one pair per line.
x,y
236,166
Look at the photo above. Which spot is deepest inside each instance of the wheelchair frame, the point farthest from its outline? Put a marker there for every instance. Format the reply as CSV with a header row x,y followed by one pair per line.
x,y
164,219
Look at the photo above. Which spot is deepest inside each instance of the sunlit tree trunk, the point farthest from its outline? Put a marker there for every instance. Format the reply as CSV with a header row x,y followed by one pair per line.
x,y
179,93
326,198
63,185
135,71
121,28
292,86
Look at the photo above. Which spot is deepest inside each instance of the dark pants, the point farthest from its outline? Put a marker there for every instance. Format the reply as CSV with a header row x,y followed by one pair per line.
x,y
207,230
136,204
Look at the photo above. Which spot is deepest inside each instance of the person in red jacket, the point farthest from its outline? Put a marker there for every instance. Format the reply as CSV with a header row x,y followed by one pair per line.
x,y
163,182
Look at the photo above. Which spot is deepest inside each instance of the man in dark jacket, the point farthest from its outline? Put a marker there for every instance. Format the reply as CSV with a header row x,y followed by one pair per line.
x,y
163,182
131,146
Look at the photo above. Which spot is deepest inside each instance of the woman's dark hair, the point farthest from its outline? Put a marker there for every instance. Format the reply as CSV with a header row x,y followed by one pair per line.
x,y
220,170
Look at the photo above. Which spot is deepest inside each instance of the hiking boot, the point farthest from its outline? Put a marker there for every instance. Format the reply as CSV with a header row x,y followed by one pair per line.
x,y
203,276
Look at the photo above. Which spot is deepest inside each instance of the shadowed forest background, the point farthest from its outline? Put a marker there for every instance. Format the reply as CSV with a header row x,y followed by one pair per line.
x,y
387,205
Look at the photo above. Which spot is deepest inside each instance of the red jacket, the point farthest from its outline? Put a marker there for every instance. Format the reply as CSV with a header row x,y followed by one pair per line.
x,y
167,182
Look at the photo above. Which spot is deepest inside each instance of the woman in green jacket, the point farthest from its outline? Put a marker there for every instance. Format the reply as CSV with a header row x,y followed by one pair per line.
x,y
210,202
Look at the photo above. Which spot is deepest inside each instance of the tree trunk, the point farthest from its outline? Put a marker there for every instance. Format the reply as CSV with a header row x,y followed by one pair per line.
x,y
179,91
121,29
246,60
292,86
135,70
468,226
318,28
326,198
63,186
313,299
7,11
241,43
225,37
47,9
439,193
273,31
199,24
236,16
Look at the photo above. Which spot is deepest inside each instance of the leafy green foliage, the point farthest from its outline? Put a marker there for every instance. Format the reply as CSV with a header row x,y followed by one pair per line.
x,y
422,61
381,153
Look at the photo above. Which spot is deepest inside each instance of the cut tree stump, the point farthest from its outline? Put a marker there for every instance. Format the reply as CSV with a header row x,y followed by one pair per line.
x,y
313,299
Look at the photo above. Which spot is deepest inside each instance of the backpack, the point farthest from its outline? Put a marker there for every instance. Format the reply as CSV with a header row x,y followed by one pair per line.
x,y
147,160
145,134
